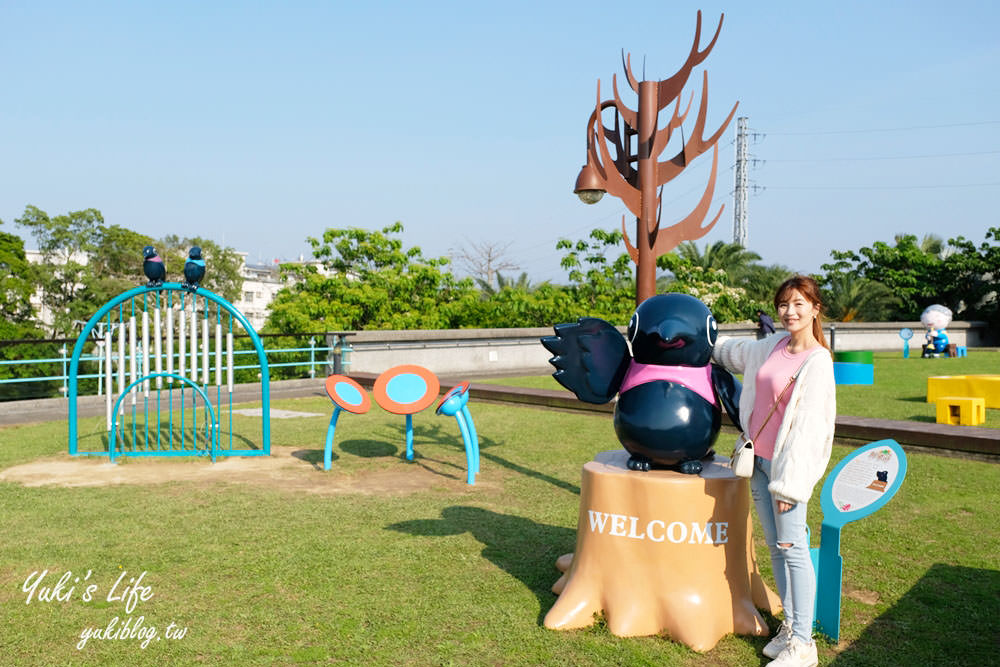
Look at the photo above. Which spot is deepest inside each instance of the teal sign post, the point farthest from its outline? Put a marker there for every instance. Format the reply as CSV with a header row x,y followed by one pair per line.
x,y
859,485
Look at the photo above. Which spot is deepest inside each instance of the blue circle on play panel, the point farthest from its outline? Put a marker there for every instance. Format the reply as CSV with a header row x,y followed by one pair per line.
x,y
348,394
406,388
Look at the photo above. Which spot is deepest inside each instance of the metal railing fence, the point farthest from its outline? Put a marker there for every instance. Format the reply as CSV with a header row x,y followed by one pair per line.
x,y
328,351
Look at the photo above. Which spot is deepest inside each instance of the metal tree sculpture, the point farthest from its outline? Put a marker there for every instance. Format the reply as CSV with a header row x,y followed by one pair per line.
x,y
634,178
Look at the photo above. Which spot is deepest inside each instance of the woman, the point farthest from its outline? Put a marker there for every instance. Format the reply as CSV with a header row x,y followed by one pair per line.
x,y
792,448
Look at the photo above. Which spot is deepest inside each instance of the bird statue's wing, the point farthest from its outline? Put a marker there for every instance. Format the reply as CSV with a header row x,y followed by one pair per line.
x,y
727,390
591,358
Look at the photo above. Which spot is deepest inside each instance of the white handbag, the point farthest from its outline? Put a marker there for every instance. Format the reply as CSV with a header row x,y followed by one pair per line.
x,y
741,462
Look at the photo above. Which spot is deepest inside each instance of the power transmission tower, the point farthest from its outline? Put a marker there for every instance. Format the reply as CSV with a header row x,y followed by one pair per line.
x,y
740,192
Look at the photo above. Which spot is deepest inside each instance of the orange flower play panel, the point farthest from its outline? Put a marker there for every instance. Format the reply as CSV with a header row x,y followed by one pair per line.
x,y
346,394
406,390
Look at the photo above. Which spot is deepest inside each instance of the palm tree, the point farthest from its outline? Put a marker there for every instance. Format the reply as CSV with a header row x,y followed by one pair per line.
x,y
761,282
730,257
932,244
522,283
740,265
851,298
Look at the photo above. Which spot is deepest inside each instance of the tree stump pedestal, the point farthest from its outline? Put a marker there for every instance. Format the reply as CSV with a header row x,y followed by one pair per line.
x,y
661,551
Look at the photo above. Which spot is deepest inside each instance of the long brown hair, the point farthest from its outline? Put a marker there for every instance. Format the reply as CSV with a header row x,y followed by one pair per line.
x,y
809,289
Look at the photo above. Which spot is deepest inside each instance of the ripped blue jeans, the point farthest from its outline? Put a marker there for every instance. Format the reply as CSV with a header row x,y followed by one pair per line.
x,y
794,576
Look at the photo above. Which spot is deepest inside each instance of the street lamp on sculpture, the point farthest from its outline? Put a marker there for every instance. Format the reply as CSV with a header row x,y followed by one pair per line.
x,y
589,186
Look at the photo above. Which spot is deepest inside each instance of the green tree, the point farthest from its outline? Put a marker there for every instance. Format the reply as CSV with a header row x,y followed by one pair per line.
x,y
541,306
713,286
87,262
972,273
600,287
114,266
522,282
915,276
17,325
932,244
370,281
852,298
15,286
730,257
959,275
65,243
741,267
761,282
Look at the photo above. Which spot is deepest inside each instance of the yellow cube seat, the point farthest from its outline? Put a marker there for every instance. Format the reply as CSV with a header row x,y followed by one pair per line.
x,y
961,410
983,386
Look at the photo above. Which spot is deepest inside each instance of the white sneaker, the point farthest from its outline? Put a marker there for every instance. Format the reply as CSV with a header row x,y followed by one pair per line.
x,y
778,641
796,653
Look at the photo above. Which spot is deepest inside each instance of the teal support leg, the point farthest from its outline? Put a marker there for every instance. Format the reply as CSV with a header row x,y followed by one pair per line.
x,y
215,439
474,438
328,449
829,577
470,462
409,437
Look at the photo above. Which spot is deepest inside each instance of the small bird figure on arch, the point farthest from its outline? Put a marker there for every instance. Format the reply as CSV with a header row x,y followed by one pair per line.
x,y
153,267
194,269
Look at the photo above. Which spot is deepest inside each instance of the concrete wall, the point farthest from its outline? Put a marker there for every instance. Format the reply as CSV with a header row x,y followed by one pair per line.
x,y
485,352
455,351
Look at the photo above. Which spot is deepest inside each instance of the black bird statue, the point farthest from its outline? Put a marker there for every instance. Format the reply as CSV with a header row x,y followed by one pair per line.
x,y
194,269
153,267
669,394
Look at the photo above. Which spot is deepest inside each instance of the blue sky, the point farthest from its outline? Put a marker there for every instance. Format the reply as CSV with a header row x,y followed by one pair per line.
x,y
259,124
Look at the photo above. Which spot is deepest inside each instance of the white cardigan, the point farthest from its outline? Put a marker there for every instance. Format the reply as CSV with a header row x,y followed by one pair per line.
x,y
805,437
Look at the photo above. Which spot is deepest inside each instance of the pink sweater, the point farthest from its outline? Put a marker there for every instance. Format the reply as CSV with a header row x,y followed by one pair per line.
x,y
771,379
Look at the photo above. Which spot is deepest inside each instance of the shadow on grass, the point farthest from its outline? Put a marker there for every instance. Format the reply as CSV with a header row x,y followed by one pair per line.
x,y
313,456
554,481
523,548
438,434
948,618
368,449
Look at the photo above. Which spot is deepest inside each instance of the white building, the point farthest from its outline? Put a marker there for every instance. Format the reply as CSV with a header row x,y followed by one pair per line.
x,y
260,283
35,257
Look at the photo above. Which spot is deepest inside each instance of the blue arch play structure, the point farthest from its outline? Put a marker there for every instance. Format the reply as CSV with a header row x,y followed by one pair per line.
x,y
174,352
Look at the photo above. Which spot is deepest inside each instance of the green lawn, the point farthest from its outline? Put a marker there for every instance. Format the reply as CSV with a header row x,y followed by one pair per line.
x,y
899,392
434,572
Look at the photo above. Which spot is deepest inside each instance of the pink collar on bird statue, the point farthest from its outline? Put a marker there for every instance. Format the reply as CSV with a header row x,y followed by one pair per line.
x,y
696,378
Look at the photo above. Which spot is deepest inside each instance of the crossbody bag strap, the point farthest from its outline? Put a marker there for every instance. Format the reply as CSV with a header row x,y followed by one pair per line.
x,y
778,399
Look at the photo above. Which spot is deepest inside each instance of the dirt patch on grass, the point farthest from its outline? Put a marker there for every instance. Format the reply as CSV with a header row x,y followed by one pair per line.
x,y
287,468
862,596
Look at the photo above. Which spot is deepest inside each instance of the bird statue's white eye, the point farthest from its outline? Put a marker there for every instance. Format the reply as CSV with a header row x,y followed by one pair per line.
x,y
633,327
711,330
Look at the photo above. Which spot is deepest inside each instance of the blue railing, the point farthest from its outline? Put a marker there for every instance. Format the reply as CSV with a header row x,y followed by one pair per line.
x,y
333,359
